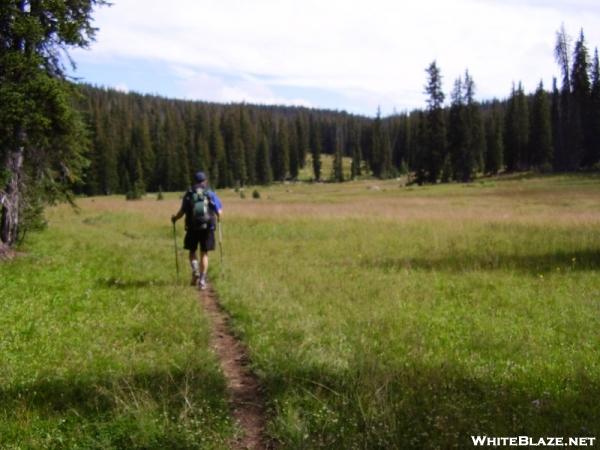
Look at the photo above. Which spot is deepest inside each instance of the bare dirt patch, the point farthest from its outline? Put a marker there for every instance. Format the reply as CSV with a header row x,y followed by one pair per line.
x,y
245,393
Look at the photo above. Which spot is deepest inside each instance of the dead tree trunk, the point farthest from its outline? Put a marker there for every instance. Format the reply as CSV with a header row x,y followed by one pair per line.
x,y
10,197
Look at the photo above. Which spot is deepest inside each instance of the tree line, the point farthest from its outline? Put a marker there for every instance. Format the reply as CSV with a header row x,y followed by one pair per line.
x,y
147,143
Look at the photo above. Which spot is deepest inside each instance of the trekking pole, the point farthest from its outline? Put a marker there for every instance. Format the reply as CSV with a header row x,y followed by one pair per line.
x,y
176,255
220,226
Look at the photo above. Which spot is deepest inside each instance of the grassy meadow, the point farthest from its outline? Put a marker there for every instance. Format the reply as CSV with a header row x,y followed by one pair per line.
x,y
382,316
100,348
376,315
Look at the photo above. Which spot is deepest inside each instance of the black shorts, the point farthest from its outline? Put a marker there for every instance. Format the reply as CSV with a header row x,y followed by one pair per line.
x,y
204,238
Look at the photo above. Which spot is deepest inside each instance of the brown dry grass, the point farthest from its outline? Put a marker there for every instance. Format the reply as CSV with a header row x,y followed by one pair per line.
x,y
544,200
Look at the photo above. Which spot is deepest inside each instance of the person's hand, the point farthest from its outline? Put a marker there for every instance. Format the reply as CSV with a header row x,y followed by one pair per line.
x,y
173,218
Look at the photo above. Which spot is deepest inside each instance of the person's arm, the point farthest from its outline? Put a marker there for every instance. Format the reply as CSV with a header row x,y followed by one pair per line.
x,y
217,205
180,213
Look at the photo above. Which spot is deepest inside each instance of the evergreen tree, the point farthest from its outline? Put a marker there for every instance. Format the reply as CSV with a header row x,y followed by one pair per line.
x,y
517,130
315,148
282,169
593,155
217,174
522,127
355,151
338,165
458,135
248,135
294,150
42,138
420,148
494,145
386,154
562,56
435,145
264,173
107,148
399,148
510,133
557,128
541,131
376,160
239,167
580,100
476,140
203,150
303,139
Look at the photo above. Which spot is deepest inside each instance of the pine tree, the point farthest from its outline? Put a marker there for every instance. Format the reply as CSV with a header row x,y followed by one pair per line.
x,y
264,173
557,129
203,150
579,137
315,148
435,145
517,131
386,154
593,155
476,141
494,145
458,135
217,155
420,148
294,150
338,165
281,152
522,127
355,151
42,137
248,135
239,168
562,56
376,160
399,149
541,131
303,139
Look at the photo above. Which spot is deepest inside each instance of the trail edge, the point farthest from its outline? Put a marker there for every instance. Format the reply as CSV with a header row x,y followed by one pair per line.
x,y
244,389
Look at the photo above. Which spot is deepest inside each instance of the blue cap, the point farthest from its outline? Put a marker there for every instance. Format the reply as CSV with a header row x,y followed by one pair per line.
x,y
200,177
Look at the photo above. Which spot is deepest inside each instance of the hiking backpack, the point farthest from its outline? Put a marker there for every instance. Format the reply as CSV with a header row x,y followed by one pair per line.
x,y
201,215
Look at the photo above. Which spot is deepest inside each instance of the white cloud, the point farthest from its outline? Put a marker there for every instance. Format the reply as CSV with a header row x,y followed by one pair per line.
x,y
369,52
213,88
122,87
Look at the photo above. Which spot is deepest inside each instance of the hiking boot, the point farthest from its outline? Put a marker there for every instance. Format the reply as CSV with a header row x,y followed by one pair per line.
x,y
195,278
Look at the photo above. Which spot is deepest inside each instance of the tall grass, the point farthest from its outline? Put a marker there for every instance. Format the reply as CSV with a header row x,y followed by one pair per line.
x,y
100,348
465,311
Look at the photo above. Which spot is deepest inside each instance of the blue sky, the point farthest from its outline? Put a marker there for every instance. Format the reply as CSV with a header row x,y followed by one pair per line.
x,y
347,55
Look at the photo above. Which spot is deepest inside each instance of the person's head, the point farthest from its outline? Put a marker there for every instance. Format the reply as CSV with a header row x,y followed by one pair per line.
x,y
200,178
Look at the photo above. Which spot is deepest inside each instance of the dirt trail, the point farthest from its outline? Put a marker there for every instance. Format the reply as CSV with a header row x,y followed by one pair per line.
x,y
245,395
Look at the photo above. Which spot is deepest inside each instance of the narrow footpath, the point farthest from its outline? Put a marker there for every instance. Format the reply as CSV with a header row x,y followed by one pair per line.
x,y
245,395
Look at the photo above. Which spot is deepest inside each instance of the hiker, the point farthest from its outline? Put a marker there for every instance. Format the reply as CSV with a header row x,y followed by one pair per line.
x,y
202,208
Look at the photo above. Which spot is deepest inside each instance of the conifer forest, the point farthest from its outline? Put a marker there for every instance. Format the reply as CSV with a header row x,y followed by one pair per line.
x,y
148,143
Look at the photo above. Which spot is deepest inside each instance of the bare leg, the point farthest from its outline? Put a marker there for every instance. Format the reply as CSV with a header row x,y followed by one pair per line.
x,y
195,266
203,264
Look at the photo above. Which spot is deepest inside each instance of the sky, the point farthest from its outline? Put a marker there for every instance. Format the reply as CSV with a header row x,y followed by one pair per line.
x,y
350,55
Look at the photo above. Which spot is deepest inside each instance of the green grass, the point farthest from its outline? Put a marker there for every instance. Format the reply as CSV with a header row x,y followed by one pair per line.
x,y
376,315
446,312
100,348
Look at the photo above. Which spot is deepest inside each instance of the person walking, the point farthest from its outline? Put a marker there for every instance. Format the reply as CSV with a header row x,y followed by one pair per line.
x,y
202,208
